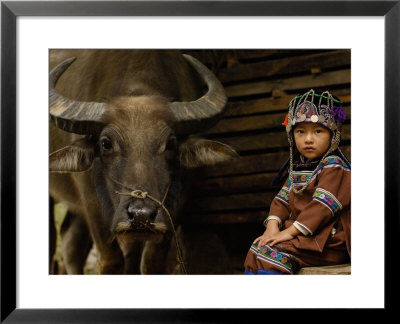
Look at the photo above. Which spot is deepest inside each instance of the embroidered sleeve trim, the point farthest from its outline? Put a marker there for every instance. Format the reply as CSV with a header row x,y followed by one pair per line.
x,y
273,217
328,199
302,228
283,195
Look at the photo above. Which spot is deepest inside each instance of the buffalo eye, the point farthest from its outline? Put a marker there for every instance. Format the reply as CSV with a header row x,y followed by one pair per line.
x,y
172,144
106,145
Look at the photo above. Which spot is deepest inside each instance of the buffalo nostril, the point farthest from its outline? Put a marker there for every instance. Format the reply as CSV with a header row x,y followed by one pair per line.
x,y
130,214
153,215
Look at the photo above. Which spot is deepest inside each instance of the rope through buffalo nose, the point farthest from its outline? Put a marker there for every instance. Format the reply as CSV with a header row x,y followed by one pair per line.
x,y
139,194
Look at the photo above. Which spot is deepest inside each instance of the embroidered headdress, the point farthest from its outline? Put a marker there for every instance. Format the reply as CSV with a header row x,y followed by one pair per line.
x,y
312,107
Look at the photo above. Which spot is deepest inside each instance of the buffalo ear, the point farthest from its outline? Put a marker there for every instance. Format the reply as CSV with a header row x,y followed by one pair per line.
x,y
196,152
76,157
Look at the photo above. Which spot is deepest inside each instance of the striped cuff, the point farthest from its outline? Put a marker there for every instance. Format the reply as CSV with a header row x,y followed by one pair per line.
x,y
273,217
303,229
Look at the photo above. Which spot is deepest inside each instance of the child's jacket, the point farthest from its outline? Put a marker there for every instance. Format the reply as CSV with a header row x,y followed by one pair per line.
x,y
322,211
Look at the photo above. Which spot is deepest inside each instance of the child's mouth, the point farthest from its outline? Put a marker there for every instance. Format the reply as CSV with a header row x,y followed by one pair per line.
x,y
309,149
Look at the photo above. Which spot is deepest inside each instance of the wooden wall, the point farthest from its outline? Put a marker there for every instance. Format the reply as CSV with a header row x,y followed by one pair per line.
x,y
233,200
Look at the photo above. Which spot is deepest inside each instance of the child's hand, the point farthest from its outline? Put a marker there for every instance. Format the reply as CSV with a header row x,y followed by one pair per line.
x,y
272,230
285,235
262,240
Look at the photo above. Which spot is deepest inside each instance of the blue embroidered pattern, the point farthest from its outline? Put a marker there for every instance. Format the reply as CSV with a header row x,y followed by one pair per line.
x,y
334,160
301,177
328,199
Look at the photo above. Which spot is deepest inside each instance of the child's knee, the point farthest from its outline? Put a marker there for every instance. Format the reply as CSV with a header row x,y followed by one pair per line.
x,y
250,263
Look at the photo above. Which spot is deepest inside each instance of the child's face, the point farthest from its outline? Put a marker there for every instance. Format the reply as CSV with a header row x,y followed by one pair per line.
x,y
312,140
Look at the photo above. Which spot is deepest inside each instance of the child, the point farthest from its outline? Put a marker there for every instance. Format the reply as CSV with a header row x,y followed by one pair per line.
x,y
309,219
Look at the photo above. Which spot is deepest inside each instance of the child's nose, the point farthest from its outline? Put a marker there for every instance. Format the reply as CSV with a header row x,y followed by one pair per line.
x,y
309,137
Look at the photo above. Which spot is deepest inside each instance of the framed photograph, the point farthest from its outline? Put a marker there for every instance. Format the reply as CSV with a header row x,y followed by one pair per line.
x,y
328,29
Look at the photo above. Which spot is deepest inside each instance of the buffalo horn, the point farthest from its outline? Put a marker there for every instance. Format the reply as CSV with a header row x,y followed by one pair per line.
x,y
70,115
198,115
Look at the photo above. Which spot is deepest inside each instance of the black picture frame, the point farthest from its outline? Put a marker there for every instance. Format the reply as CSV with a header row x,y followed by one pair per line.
x,y
10,10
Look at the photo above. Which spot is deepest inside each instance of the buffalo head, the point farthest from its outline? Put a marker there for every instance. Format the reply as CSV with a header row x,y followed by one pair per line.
x,y
135,146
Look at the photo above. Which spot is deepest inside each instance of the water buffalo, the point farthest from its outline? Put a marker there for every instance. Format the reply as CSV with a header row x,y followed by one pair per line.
x,y
121,132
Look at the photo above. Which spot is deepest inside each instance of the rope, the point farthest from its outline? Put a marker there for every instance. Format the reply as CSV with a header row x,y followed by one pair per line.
x,y
139,194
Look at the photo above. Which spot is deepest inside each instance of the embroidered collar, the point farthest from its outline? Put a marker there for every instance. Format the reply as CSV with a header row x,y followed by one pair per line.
x,y
300,177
